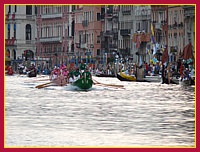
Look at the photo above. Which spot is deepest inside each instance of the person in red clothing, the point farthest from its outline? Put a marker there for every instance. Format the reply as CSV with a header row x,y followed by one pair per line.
x,y
9,70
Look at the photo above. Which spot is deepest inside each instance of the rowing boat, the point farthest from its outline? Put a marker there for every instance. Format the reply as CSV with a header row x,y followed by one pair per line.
x,y
123,77
59,80
84,83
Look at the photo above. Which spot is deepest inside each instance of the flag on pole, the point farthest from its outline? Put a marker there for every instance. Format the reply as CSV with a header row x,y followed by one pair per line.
x,y
153,40
187,52
148,51
138,41
154,49
152,30
152,35
165,56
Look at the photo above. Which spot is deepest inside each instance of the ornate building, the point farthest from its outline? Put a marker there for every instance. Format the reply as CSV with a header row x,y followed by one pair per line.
x,y
20,32
55,31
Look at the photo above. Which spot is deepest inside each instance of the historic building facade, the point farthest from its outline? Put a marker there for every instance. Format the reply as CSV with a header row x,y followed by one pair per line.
x,y
175,31
109,33
55,29
87,34
20,32
57,34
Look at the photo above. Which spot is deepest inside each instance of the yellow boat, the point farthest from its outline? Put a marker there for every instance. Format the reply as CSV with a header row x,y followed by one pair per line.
x,y
123,77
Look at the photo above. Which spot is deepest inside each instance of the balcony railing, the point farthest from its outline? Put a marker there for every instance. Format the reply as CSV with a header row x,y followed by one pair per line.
x,y
108,33
46,16
51,39
113,46
84,46
85,22
158,26
125,32
144,37
10,41
125,51
126,12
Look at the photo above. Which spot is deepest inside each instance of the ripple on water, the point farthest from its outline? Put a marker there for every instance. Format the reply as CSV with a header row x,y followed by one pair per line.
x,y
142,114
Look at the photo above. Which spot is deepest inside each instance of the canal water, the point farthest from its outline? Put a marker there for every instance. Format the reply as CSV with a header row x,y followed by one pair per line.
x,y
139,115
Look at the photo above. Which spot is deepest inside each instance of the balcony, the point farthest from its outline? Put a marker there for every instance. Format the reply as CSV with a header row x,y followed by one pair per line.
x,y
10,42
125,32
7,16
144,37
126,12
50,16
30,41
51,39
83,46
173,49
158,26
77,45
115,36
112,46
85,23
124,51
108,33
91,45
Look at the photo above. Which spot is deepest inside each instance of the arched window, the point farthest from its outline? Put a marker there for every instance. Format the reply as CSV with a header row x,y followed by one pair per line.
x,y
14,54
8,53
28,32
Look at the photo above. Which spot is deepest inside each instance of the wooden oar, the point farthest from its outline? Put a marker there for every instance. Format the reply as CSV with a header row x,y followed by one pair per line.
x,y
113,85
43,84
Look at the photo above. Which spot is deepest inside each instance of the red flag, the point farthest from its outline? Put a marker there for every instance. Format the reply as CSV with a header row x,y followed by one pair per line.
x,y
138,41
7,16
165,55
13,16
187,52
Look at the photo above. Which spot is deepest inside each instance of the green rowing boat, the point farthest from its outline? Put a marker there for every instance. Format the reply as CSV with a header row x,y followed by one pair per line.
x,y
84,83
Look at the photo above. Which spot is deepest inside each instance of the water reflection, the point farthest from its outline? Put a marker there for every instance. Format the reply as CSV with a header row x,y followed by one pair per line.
x,y
142,114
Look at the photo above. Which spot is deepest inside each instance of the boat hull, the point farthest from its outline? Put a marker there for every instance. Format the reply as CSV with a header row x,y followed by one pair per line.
x,y
187,82
123,77
60,80
152,78
105,75
32,74
83,83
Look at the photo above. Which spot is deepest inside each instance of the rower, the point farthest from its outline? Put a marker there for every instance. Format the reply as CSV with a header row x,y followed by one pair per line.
x,y
71,75
77,74
87,73
82,66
